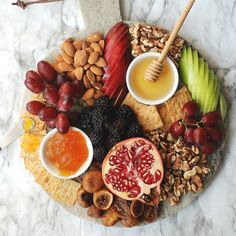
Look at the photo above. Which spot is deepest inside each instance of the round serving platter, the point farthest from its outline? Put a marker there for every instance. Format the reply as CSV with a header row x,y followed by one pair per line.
x,y
102,27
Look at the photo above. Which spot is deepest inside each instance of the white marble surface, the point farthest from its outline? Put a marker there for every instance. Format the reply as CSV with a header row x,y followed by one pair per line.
x,y
24,208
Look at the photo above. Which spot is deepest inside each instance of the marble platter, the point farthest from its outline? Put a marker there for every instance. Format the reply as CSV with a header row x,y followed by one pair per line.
x,y
90,10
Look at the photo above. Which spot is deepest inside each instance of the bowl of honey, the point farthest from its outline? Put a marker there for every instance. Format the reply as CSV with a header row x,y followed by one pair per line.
x,y
151,92
66,156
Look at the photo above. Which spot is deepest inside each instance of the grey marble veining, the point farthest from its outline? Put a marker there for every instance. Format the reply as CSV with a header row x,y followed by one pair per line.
x,y
25,35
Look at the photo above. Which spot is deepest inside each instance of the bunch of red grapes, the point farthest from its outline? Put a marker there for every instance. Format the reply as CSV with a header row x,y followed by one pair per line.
x,y
204,131
60,94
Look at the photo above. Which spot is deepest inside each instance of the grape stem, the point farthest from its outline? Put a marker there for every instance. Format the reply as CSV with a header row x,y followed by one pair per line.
x,y
23,4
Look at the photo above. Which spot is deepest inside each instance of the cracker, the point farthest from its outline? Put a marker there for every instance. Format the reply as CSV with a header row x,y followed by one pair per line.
x,y
165,116
148,116
176,103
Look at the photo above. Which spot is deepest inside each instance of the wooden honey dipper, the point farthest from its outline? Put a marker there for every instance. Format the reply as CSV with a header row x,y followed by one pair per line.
x,y
155,68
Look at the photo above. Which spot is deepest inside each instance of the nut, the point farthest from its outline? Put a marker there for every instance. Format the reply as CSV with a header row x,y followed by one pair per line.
x,y
101,62
89,50
68,47
102,44
93,58
88,94
96,48
90,76
93,38
78,44
98,94
63,66
68,59
81,57
59,58
97,70
79,72
87,66
86,81
97,85
90,101
190,173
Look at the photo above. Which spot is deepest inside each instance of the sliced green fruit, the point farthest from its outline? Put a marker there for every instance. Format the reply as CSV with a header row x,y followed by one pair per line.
x,y
223,106
200,78
190,68
183,70
215,98
203,87
195,74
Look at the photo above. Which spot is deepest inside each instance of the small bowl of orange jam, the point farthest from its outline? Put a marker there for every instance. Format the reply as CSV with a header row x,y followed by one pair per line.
x,y
66,156
150,92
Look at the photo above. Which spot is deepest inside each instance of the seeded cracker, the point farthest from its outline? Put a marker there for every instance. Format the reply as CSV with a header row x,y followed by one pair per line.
x,y
176,103
148,116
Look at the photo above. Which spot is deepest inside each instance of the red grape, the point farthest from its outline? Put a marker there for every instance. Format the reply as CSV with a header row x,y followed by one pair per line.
x,y
51,124
211,118
200,136
50,93
68,88
191,108
80,88
61,79
209,148
190,120
215,134
177,129
34,107
33,82
62,123
47,113
65,103
188,135
46,71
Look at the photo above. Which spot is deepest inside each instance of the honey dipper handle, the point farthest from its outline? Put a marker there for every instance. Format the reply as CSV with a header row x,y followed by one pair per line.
x,y
176,30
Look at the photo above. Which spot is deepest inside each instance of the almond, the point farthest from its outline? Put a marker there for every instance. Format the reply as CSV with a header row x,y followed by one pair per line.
x,y
93,38
81,57
63,66
89,50
88,94
79,72
90,76
97,70
71,75
78,44
87,66
101,62
86,81
85,45
102,44
68,47
59,58
98,94
90,101
55,66
97,85
93,58
98,78
96,48
68,59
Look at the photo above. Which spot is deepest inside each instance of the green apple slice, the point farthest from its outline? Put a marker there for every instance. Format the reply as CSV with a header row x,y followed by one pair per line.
x,y
203,87
183,67
195,75
223,106
200,78
190,69
215,97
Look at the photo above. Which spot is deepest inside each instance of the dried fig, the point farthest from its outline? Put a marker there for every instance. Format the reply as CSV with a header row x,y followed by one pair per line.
x,y
85,199
109,218
150,213
94,212
92,181
136,208
103,199
121,208
130,221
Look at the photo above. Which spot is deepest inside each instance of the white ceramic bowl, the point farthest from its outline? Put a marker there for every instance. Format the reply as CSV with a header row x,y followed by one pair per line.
x,y
147,101
52,169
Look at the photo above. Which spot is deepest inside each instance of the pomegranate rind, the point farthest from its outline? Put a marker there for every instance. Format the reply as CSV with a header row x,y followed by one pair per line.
x,y
140,169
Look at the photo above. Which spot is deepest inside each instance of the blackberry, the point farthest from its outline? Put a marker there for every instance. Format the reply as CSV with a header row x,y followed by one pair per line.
x,y
116,134
120,124
103,103
98,119
99,153
134,130
125,112
112,141
85,122
96,138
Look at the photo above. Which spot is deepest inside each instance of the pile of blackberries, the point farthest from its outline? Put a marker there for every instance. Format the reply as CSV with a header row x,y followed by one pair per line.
x,y
106,125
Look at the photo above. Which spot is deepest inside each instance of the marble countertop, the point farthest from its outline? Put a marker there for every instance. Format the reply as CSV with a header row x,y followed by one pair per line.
x,y
25,209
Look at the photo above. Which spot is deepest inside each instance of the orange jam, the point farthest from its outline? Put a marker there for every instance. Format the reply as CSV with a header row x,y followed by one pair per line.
x,y
67,152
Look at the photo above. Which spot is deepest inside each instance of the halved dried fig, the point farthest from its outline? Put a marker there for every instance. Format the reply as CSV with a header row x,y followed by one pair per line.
x,y
121,208
103,199
109,218
130,221
136,208
92,181
94,212
150,213
85,199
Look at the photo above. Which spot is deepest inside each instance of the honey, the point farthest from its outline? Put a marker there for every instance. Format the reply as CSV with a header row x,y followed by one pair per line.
x,y
148,89
67,152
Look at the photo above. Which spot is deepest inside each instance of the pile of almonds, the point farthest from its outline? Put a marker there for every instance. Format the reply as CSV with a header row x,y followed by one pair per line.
x,y
82,59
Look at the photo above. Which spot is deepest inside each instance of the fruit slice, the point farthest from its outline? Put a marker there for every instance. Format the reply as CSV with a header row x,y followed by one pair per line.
x,y
204,86
132,168
183,70
195,74
215,99
200,78
102,199
208,95
190,69
223,106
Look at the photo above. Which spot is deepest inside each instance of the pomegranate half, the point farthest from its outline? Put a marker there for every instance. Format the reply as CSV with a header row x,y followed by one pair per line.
x,y
132,168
